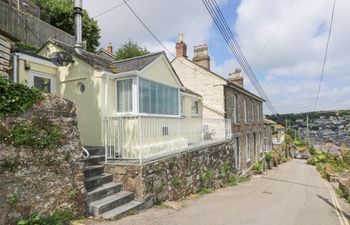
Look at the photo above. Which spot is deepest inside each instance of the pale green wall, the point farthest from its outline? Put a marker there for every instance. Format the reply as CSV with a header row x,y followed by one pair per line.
x,y
160,72
89,104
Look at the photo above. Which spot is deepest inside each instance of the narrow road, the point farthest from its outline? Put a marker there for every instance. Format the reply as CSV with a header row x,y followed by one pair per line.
x,y
293,194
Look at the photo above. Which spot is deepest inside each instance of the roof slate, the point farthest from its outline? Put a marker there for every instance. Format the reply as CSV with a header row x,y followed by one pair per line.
x,y
136,63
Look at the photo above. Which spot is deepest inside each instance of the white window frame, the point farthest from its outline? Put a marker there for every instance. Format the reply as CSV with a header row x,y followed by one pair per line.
x,y
135,99
247,147
245,110
134,93
193,100
182,105
234,109
52,79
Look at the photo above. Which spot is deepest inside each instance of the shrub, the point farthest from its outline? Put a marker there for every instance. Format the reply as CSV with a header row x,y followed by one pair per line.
x,y
58,218
311,161
284,159
243,179
232,180
268,157
258,168
16,98
39,133
204,191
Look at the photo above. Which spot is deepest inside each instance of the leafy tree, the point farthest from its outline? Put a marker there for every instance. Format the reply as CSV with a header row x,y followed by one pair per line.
x,y
59,13
130,49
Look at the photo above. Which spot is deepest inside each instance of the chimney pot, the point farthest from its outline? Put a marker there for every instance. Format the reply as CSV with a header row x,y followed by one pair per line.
x,y
110,48
236,77
181,47
201,56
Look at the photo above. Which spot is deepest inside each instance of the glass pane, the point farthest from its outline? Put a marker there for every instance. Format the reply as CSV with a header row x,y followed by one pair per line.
x,y
124,95
42,83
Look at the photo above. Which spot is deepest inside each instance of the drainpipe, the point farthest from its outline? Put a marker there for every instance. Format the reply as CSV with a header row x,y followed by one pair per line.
x,y
78,33
15,67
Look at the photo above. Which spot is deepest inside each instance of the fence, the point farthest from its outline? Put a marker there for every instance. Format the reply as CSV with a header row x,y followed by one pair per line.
x,y
22,25
142,137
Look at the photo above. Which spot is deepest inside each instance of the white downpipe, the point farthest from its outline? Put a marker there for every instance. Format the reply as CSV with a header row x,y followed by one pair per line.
x,y
15,68
105,117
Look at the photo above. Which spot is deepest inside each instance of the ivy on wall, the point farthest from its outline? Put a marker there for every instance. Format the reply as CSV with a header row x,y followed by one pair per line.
x,y
16,98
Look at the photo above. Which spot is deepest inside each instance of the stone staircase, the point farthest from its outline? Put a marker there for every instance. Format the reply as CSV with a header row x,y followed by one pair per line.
x,y
104,197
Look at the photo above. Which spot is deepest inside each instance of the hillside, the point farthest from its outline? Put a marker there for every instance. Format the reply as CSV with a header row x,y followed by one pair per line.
x,y
292,117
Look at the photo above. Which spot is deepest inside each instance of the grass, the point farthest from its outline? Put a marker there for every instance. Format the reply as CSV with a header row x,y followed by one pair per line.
x,y
205,191
243,179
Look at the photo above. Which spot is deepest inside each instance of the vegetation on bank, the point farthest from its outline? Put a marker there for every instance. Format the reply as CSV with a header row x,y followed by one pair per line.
x,y
327,163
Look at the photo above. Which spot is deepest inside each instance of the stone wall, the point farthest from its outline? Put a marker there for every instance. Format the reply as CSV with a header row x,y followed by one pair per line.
x,y
176,176
42,180
254,126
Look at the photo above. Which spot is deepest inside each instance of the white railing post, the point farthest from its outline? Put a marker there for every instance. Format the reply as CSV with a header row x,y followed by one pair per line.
x,y
106,139
139,138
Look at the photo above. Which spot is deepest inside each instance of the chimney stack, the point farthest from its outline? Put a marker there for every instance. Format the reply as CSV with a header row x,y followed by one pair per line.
x,y
78,9
181,47
236,77
201,56
110,48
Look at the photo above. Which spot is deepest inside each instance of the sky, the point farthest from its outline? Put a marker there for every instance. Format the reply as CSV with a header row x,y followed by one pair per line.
x,y
283,40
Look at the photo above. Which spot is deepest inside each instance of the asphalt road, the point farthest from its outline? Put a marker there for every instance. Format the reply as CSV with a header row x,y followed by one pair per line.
x,y
292,194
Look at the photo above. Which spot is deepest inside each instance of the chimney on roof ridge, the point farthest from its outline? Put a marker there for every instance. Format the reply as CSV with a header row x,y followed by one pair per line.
x,y
181,47
236,77
201,56
110,48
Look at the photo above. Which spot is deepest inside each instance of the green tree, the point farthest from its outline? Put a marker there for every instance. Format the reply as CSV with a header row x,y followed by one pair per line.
x,y
59,13
130,49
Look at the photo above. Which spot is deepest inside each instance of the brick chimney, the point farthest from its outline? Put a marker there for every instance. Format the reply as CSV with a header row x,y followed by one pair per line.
x,y
201,56
110,48
181,47
236,77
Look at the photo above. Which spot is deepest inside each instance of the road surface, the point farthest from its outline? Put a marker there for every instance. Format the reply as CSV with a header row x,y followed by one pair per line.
x,y
292,194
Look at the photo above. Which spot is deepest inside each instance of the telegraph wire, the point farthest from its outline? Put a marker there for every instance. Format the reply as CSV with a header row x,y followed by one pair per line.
x,y
273,33
148,29
325,55
227,34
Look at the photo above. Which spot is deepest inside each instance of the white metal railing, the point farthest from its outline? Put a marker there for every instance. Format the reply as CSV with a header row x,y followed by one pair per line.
x,y
141,137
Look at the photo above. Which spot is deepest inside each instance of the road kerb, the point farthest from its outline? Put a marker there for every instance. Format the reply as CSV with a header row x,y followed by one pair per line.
x,y
338,209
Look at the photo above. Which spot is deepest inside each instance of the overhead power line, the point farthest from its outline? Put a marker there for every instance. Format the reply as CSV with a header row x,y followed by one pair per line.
x,y
148,29
273,33
228,35
325,56
101,14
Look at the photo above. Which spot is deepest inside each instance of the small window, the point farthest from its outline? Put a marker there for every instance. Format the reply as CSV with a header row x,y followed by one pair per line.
x,y
195,107
182,106
245,110
247,147
234,109
80,89
124,96
42,82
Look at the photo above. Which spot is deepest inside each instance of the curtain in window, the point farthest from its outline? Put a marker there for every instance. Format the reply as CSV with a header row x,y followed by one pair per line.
x,y
124,95
158,99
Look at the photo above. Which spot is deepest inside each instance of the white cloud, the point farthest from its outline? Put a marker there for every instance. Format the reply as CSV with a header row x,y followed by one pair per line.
x,y
293,58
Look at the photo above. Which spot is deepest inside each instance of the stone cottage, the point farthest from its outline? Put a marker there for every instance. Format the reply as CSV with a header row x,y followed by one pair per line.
x,y
225,99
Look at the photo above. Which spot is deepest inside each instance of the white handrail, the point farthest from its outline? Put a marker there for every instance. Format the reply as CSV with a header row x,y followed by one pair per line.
x,y
87,154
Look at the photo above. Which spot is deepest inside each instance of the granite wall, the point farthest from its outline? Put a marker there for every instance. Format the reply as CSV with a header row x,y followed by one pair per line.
x,y
42,180
177,176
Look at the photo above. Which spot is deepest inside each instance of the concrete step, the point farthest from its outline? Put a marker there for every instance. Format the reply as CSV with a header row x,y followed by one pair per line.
x,y
96,181
103,191
103,205
123,209
93,151
90,171
93,160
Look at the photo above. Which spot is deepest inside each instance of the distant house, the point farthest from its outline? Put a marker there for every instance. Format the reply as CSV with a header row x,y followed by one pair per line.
x,y
224,99
133,106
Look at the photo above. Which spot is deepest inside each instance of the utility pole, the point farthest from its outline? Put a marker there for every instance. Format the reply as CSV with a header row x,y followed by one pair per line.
x,y
307,129
286,137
